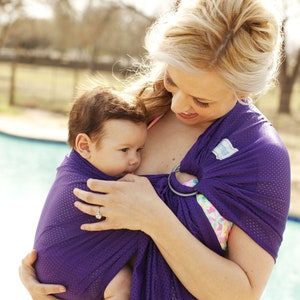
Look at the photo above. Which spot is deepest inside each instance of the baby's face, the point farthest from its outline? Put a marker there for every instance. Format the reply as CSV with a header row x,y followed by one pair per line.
x,y
120,148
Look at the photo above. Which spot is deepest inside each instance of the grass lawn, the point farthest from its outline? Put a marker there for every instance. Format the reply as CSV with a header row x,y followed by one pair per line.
x,y
43,87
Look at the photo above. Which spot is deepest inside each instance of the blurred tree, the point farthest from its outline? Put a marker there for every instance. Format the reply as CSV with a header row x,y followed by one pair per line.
x,y
95,21
29,34
64,33
100,30
112,29
290,68
10,10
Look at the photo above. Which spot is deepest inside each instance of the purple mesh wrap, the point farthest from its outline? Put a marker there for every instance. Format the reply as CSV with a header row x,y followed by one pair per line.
x,y
243,169
85,262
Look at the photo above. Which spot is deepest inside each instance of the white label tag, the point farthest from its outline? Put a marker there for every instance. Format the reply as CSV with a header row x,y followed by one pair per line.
x,y
224,150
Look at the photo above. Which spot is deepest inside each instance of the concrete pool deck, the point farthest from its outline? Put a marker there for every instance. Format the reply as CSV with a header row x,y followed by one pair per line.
x,y
43,125
35,124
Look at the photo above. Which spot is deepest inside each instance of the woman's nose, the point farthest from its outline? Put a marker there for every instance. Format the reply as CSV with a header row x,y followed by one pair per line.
x,y
179,102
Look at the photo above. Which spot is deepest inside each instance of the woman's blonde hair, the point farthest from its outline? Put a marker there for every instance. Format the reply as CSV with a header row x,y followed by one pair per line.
x,y
239,39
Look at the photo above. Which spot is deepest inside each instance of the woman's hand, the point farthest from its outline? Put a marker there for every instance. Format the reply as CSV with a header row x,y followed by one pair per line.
x,y
129,203
37,290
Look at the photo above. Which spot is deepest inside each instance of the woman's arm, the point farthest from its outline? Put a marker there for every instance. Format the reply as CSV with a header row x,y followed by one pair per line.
x,y
242,275
37,290
135,205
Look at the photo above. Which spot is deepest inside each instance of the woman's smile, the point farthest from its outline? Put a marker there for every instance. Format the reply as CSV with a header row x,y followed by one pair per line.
x,y
185,115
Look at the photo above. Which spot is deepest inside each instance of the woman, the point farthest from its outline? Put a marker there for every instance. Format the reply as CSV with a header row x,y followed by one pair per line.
x,y
211,58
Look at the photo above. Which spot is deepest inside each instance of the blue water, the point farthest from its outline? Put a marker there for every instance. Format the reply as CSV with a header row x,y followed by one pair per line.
x,y
27,170
285,279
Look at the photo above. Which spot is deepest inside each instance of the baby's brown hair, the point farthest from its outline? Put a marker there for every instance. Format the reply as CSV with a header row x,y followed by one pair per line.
x,y
92,108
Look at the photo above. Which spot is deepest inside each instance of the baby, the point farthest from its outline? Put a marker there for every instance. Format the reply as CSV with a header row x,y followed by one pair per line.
x,y
107,132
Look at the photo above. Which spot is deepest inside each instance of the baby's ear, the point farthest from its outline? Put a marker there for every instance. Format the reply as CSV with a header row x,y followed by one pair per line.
x,y
82,145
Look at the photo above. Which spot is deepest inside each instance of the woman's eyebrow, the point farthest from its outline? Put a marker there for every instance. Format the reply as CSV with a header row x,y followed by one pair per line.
x,y
169,79
171,82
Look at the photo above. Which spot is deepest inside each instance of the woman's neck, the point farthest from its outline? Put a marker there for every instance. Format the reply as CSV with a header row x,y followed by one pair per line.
x,y
168,142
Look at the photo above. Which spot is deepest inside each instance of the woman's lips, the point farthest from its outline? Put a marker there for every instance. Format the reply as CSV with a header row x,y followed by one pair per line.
x,y
187,115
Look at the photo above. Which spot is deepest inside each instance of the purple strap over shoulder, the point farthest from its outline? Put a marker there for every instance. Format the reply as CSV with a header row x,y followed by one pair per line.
x,y
243,169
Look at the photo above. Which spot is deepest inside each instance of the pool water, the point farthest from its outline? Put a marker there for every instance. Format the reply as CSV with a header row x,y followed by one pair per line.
x,y
285,279
28,169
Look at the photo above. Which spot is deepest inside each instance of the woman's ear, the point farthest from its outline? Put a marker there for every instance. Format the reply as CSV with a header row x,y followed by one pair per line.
x,y
82,145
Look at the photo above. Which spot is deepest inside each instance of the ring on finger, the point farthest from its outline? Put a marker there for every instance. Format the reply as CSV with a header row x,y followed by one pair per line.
x,y
98,214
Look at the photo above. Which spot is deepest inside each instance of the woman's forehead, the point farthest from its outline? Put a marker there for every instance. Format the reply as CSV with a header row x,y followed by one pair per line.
x,y
207,84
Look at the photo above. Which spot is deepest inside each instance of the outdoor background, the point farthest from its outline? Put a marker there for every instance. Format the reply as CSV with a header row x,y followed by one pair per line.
x,y
47,48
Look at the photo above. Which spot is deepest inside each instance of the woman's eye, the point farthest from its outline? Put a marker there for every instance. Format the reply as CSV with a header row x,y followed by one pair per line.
x,y
200,103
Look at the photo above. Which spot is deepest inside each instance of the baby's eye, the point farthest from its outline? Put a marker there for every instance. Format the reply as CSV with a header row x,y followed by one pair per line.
x,y
139,149
124,149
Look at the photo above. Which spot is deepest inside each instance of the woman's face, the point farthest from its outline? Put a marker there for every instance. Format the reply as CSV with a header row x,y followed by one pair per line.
x,y
198,99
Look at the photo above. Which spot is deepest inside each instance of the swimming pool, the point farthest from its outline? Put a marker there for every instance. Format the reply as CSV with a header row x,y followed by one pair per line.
x,y
27,171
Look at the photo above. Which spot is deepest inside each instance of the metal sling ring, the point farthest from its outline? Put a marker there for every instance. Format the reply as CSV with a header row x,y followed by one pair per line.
x,y
176,169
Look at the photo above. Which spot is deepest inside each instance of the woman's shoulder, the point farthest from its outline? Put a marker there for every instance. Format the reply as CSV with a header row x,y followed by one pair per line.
x,y
244,137
246,124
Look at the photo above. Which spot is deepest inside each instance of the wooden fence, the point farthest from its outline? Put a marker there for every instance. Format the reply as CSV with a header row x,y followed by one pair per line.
x,y
44,87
